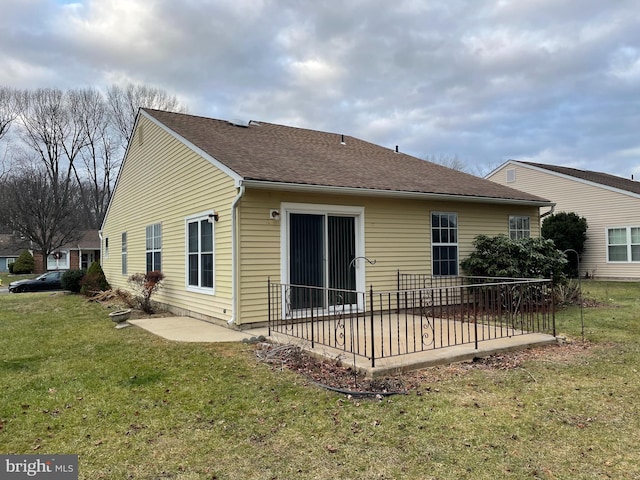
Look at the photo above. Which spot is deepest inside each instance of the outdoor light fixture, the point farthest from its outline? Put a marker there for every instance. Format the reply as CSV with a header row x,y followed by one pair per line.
x,y
274,214
213,217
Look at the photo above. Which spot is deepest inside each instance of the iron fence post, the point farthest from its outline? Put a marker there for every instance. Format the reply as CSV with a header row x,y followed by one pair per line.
x,y
475,318
398,293
553,305
269,305
373,338
312,324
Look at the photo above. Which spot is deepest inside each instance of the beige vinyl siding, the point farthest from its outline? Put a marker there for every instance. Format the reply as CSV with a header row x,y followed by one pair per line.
x,y
602,207
397,236
163,181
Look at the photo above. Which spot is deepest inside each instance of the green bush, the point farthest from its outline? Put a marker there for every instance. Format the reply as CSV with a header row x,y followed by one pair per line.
x,y
569,232
11,267
24,263
525,258
94,280
71,280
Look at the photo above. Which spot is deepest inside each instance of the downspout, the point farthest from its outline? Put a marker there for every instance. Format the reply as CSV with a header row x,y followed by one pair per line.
x,y
550,212
234,255
101,259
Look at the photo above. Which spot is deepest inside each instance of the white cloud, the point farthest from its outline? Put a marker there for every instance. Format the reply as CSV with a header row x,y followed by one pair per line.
x,y
625,64
27,75
548,80
315,73
115,28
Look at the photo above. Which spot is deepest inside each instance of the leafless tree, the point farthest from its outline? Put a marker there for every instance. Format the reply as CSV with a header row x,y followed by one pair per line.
x,y
100,156
124,103
487,168
51,127
450,161
31,206
8,109
42,201
454,162
77,138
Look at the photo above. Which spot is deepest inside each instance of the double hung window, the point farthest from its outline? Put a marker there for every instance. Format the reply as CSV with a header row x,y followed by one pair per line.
x,y
199,253
154,247
519,227
124,253
623,244
444,243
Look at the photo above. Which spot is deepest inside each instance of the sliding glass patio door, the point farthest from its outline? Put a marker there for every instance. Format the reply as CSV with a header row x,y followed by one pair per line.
x,y
321,252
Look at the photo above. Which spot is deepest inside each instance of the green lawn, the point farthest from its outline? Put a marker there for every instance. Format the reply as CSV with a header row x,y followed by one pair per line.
x,y
134,406
7,278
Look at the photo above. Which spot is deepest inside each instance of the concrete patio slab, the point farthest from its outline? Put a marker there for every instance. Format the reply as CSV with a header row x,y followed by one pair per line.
x,y
186,329
414,361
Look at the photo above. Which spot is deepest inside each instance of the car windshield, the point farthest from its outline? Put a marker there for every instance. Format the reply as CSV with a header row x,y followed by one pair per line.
x,y
40,277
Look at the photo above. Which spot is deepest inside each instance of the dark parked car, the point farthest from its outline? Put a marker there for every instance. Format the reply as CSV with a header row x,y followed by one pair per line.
x,y
46,281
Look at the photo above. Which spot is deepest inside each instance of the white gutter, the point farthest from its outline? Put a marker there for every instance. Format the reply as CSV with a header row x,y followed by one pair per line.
x,y
234,255
296,187
550,212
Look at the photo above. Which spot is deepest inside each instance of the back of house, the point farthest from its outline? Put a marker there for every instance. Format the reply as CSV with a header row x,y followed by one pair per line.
x,y
221,208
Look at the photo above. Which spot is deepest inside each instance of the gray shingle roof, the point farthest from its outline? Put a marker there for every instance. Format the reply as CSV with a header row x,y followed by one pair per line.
x,y
11,245
275,153
595,177
89,240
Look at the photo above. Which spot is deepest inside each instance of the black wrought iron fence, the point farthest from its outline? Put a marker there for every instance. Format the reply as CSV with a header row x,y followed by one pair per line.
x,y
431,314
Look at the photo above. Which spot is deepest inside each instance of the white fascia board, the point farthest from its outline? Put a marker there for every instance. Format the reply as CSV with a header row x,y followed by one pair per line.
x,y
576,179
496,170
216,163
296,187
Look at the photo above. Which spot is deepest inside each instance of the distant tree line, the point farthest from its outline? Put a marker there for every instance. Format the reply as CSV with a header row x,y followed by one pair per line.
x,y
456,163
60,152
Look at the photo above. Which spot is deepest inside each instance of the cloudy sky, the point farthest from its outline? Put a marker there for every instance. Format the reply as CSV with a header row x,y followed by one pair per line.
x,y
550,81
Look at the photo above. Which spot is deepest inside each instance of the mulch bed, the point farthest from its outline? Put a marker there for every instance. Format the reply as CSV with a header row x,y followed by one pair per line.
x,y
336,376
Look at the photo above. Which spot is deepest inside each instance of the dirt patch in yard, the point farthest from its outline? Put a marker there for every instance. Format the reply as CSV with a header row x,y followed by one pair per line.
x,y
342,378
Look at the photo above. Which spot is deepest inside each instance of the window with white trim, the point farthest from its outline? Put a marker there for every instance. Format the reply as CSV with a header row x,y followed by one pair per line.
x,y
444,243
519,227
323,246
623,244
154,247
124,253
58,260
200,255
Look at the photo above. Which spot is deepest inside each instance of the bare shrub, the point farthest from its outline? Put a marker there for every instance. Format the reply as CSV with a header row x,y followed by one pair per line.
x,y
144,286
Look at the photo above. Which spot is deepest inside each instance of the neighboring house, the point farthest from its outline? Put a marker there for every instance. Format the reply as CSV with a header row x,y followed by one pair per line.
x,y
222,207
73,256
11,247
610,204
